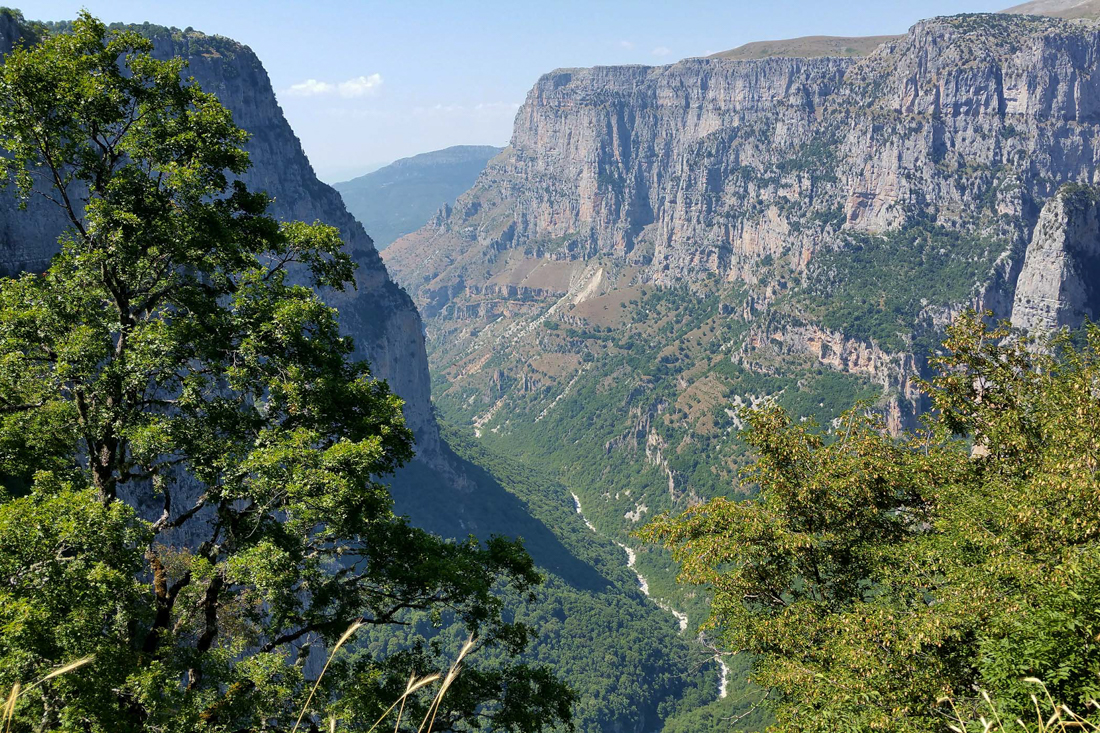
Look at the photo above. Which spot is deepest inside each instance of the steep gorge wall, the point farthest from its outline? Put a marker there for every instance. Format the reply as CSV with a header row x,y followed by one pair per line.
x,y
379,315
714,166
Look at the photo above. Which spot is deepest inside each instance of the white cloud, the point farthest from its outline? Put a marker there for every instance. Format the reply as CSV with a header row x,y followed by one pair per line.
x,y
662,51
360,86
309,88
626,44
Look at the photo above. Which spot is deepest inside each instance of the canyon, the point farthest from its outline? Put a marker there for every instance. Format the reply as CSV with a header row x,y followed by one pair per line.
x,y
661,246
451,488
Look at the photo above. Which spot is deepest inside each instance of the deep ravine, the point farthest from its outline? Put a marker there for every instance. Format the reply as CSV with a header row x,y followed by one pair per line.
x,y
631,559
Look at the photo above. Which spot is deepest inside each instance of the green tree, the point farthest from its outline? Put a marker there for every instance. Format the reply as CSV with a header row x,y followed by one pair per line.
x,y
190,457
873,576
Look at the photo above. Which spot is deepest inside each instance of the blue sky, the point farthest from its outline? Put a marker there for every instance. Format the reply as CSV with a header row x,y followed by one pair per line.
x,y
364,83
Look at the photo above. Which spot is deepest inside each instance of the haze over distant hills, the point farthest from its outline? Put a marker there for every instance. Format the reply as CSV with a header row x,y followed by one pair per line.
x,y
660,246
399,198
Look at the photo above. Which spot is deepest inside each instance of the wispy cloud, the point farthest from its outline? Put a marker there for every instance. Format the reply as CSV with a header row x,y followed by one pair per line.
x,y
481,109
494,106
662,51
626,44
360,86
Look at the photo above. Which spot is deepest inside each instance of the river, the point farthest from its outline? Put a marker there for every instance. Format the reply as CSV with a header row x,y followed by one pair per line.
x,y
631,559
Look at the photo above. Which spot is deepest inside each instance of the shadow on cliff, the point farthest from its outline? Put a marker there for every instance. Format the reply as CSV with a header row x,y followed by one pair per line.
x,y
465,499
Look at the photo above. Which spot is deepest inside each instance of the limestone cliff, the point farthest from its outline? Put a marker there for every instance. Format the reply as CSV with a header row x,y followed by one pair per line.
x,y
1059,284
379,315
763,174
710,165
718,231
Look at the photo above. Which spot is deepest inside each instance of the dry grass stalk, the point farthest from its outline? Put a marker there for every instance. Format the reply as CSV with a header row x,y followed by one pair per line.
x,y
1060,720
451,675
9,706
411,687
343,639
18,690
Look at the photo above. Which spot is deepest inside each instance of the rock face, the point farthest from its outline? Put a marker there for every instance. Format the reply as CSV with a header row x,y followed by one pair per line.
x,y
789,228
1059,284
711,166
724,173
379,315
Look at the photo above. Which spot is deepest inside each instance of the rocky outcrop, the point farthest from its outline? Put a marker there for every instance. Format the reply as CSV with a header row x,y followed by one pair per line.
x,y
378,314
1059,284
896,373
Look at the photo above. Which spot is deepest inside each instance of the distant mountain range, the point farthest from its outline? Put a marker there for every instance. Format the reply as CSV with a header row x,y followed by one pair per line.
x,y
398,199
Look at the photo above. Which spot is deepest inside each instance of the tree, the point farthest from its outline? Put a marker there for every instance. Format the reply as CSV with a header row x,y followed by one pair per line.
x,y
872,576
190,457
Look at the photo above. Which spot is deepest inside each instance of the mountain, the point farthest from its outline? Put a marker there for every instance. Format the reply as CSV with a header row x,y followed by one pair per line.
x,y
630,661
1069,9
660,245
807,47
840,46
400,197
378,314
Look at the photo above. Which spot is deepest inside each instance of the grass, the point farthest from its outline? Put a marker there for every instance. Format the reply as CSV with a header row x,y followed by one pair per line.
x,y
411,687
17,690
1050,717
7,713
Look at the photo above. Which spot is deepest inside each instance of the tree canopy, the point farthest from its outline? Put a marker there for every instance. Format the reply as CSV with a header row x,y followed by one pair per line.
x,y
874,576
190,457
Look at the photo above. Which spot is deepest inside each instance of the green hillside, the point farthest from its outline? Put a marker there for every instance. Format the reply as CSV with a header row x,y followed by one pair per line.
x,y
397,199
631,666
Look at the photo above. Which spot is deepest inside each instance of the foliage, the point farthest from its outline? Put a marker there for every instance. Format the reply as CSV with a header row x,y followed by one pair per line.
x,y
190,456
874,576
876,285
623,656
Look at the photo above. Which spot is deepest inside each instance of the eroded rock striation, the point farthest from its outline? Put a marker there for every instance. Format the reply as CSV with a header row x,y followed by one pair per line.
x,y
745,171
789,229
710,165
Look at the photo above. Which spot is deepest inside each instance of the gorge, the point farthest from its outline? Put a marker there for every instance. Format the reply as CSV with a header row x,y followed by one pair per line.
x,y
591,604
657,248
659,245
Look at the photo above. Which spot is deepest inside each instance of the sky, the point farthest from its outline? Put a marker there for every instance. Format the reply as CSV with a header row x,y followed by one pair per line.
x,y
365,82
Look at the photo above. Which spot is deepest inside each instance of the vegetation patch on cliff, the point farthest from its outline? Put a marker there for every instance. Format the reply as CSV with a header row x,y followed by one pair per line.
x,y
875,286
